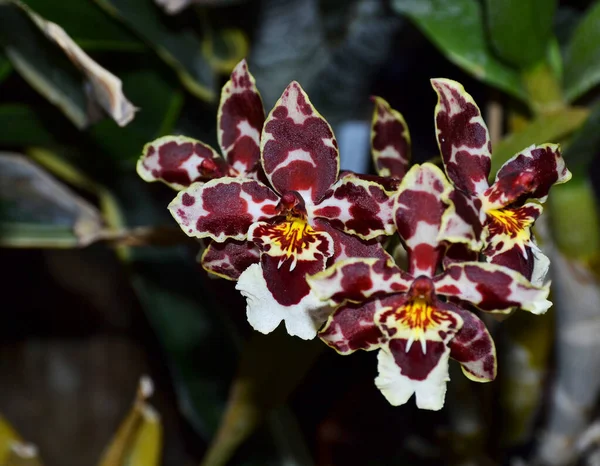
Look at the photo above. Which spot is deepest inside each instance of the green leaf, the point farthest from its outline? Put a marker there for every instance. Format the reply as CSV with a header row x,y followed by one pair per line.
x,y
546,128
177,45
87,24
457,29
582,57
138,440
58,69
160,102
520,30
13,451
583,146
224,48
42,63
22,125
5,67
190,320
38,211
574,219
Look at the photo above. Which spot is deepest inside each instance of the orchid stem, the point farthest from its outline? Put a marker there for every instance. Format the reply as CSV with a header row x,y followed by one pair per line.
x,y
271,368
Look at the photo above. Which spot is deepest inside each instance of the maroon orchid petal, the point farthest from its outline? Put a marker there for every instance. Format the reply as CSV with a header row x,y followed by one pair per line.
x,y
179,161
463,221
415,359
292,242
457,253
387,182
223,208
348,246
529,174
510,228
514,259
241,117
229,259
390,140
274,293
473,348
462,137
492,288
420,204
359,207
298,149
352,327
277,290
358,279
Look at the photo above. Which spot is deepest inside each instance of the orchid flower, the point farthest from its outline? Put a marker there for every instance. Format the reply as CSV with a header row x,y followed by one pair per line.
x,y
179,161
407,316
497,218
305,220
390,141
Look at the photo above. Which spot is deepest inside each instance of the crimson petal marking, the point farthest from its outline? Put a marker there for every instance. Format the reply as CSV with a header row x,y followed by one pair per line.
x,y
397,381
358,279
463,221
529,174
457,253
298,149
419,206
514,259
179,161
229,259
390,140
389,183
462,137
352,326
534,265
223,208
474,348
348,246
265,312
292,242
492,288
510,228
359,207
241,117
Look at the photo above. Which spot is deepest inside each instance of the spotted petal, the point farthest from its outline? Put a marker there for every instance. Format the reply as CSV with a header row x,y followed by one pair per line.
x,y
298,149
407,366
241,117
229,259
347,246
463,221
473,348
390,140
420,204
529,174
352,326
359,207
179,161
492,288
223,208
462,137
275,294
359,279
292,242
510,228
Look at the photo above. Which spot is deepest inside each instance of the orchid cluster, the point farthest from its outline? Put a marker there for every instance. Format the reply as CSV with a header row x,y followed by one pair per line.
x,y
305,242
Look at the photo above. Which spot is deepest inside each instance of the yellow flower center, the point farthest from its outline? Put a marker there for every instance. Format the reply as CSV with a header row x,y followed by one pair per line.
x,y
417,320
292,236
508,222
417,315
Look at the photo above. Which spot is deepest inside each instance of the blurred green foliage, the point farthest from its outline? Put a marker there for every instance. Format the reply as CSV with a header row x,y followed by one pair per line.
x,y
171,68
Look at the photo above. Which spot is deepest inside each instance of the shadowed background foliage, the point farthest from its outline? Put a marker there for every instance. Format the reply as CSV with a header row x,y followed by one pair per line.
x,y
100,287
